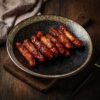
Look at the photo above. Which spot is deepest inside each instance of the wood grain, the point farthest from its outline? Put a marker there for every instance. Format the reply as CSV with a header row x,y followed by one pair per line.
x,y
14,89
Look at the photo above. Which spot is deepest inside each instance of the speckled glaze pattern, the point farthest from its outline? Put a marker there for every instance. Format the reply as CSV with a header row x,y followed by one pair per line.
x,y
60,66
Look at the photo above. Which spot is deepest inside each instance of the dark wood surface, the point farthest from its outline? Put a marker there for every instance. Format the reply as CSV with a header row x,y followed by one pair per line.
x,y
39,83
12,88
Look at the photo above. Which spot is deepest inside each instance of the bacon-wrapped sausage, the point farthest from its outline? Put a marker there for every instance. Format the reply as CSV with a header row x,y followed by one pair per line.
x,y
30,46
28,56
49,44
71,37
39,34
57,43
41,47
59,46
62,38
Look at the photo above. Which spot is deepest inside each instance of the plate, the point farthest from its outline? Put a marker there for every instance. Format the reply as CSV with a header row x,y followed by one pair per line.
x,y
60,66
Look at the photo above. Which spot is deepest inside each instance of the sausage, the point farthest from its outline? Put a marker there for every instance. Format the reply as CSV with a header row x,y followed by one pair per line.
x,y
30,46
41,47
62,38
54,32
49,44
27,55
57,43
39,34
71,37
59,46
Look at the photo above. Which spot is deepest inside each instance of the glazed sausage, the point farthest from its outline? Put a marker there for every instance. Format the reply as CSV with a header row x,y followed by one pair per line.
x,y
39,34
30,46
62,38
49,44
28,56
71,37
57,43
41,47
59,46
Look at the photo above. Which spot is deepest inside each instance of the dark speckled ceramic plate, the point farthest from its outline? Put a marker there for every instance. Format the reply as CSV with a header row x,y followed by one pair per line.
x,y
58,67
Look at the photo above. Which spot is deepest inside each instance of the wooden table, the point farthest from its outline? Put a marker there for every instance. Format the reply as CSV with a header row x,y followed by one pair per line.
x,y
14,89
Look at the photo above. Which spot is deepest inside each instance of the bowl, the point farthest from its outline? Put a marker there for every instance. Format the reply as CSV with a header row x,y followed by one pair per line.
x,y
58,67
